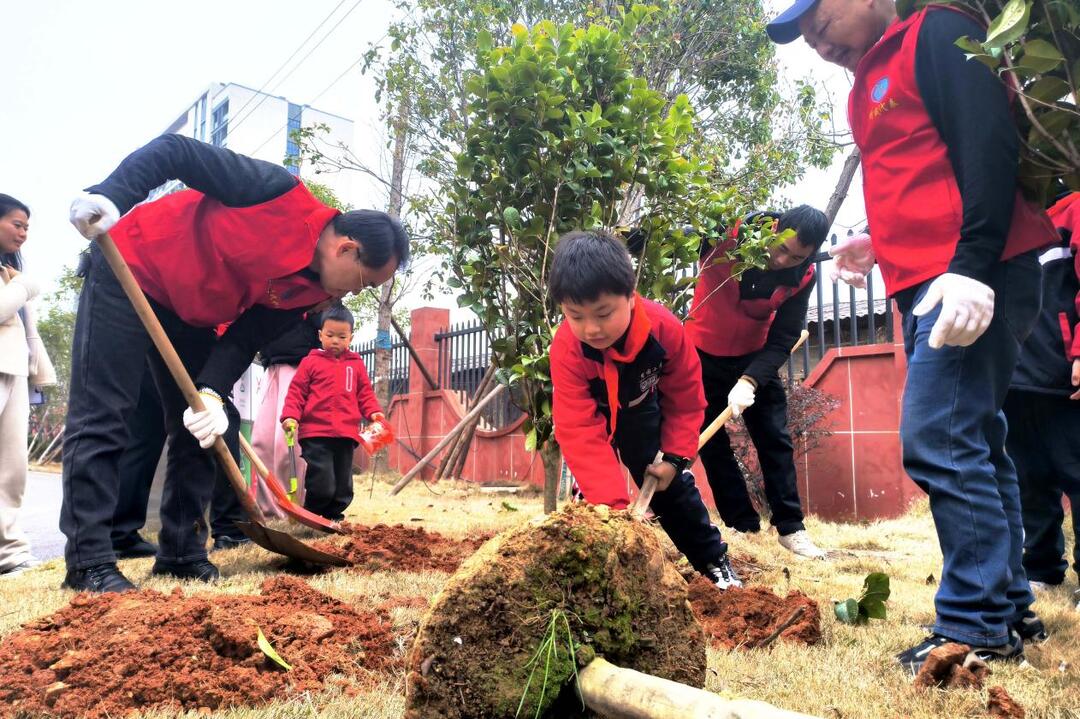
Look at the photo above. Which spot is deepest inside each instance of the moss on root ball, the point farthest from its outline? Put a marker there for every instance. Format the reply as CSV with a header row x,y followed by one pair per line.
x,y
504,633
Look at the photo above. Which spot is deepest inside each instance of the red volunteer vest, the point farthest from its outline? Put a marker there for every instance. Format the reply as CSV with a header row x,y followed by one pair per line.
x,y
723,324
913,202
209,263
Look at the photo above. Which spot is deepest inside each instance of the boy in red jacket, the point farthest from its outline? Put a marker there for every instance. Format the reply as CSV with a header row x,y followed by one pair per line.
x,y
628,383
328,397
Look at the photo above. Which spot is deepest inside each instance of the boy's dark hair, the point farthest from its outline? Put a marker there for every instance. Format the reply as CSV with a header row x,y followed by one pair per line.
x,y
380,236
337,312
8,204
810,223
587,264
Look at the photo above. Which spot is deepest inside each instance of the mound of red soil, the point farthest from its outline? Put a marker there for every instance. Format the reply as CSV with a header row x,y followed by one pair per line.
x,y
1003,705
746,617
401,549
112,654
952,666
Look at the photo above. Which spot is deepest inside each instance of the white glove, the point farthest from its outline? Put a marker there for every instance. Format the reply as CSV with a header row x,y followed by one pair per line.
x,y
740,397
854,259
209,424
93,215
967,306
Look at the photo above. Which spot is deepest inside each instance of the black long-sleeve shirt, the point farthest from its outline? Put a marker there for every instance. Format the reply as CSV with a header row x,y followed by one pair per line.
x,y
235,181
969,106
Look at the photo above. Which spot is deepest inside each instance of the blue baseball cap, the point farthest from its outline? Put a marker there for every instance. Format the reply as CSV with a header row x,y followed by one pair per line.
x,y
784,28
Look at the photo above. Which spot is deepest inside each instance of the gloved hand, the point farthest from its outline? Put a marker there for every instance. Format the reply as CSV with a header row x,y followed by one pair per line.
x,y
741,396
967,306
93,215
208,425
854,259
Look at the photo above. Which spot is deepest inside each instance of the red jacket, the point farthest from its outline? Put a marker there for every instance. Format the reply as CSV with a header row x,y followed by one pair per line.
x,y
208,262
912,197
329,396
591,387
721,322
1066,216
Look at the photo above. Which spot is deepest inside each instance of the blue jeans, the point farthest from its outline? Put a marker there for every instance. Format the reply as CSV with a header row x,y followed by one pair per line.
x,y
953,437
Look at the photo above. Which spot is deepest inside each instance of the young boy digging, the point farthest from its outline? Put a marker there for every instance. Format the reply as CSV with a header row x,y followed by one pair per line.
x,y
327,398
628,383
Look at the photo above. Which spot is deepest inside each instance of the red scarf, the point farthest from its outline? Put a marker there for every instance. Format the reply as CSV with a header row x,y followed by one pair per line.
x,y
636,336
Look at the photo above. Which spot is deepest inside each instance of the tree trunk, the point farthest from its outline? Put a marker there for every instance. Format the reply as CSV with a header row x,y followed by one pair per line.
x,y
840,192
383,345
552,459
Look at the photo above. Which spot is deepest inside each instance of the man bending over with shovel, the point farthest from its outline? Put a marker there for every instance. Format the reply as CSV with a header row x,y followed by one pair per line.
x,y
247,244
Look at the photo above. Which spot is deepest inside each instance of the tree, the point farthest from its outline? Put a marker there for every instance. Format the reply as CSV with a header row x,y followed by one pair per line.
x,y
559,132
1035,46
56,326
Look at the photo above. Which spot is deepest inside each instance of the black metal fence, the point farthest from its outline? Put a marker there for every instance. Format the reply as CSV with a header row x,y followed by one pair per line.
x,y
399,363
464,356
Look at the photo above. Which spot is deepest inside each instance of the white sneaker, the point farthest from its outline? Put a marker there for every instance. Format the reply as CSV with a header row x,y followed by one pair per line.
x,y
19,568
722,575
801,544
1037,586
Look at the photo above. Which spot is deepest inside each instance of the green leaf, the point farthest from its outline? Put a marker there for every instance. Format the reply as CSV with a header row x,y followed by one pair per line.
x,y
847,611
1010,25
876,586
511,217
268,650
530,440
873,608
484,41
507,507
1048,89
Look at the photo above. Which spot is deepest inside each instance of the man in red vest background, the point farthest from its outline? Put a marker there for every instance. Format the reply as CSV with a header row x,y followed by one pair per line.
x,y
956,244
743,329
248,244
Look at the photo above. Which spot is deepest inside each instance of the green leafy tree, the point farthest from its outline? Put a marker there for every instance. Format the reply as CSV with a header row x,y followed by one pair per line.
x,y
56,326
560,131
1035,46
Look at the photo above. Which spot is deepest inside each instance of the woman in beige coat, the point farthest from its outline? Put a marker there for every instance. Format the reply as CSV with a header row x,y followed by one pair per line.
x,y
23,363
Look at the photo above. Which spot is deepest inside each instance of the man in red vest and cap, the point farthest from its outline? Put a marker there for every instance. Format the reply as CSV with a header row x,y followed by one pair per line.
x,y
956,244
743,330
248,244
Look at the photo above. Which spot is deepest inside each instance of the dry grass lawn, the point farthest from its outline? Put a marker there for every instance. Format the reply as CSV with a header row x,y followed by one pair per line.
x,y
851,674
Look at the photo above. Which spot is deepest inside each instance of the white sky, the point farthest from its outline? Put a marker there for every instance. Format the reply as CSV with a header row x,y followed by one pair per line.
x,y
88,82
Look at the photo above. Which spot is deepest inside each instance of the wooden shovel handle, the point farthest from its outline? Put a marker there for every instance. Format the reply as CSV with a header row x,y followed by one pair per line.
x,y
176,367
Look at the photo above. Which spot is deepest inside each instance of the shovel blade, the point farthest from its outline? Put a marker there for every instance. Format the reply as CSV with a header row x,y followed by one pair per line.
x,y
281,543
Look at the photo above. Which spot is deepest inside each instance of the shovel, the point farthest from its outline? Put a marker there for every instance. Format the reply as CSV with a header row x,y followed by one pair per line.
x,y
270,539
290,442
284,501
648,487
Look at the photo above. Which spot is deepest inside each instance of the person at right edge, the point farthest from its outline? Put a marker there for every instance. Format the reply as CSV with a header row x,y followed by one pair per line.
x,y
743,331
957,246
1043,408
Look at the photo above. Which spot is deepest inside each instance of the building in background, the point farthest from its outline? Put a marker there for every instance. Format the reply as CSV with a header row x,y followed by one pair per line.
x,y
256,124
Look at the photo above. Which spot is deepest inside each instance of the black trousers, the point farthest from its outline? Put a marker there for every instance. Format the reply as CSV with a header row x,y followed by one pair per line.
x,y
110,349
679,508
1044,443
766,423
146,440
328,484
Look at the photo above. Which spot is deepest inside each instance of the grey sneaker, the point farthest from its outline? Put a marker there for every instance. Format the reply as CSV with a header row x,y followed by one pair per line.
x,y
800,543
721,574
19,568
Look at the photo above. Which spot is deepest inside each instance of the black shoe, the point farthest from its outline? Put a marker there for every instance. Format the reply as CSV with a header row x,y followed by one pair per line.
x,y
1031,628
225,542
914,658
134,547
200,569
101,578
721,574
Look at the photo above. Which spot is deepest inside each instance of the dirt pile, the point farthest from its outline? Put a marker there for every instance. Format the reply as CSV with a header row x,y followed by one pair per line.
x,y
499,635
111,654
952,666
400,548
746,617
1003,705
